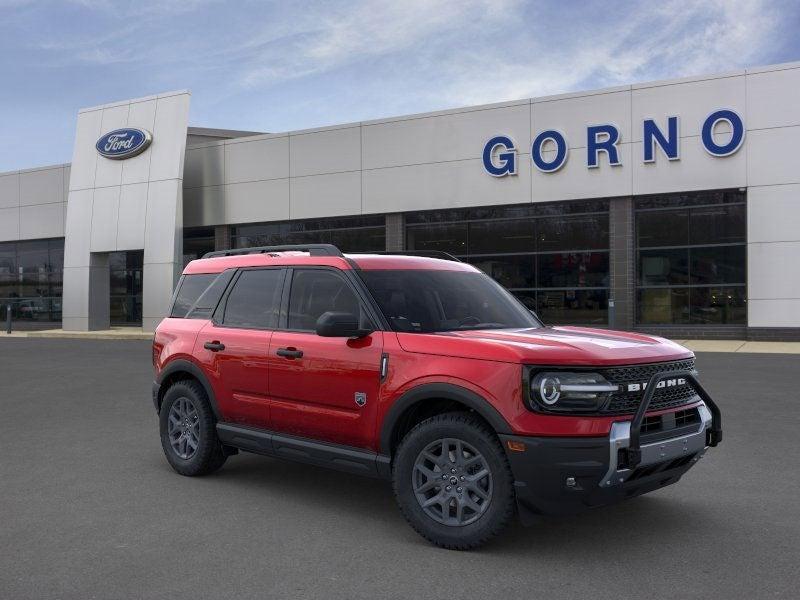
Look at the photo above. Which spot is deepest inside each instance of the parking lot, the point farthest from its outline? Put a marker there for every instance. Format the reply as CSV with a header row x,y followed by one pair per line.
x,y
89,508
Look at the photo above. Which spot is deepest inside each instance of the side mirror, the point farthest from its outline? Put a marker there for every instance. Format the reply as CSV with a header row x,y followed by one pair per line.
x,y
340,324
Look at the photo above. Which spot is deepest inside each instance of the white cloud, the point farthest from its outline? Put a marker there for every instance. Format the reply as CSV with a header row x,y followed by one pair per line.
x,y
672,40
325,38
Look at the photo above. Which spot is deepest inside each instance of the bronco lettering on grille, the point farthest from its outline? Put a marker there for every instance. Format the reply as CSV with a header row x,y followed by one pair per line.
x,y
664,383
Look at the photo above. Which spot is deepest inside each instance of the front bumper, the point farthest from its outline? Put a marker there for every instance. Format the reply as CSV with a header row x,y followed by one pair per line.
x,y
557,476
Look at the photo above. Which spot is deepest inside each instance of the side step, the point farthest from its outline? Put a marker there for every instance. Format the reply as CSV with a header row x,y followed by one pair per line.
x,y
332,456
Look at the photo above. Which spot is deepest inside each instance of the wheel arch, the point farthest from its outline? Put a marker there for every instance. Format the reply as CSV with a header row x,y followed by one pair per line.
x,y
415,399
179,370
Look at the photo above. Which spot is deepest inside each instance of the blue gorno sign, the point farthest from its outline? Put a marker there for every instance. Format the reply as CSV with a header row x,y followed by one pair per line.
x,y
500,152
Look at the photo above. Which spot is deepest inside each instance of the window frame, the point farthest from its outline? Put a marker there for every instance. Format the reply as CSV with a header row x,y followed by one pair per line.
x,y
689,207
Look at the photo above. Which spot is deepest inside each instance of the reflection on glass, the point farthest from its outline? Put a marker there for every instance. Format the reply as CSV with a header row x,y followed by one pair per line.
x,y
31,273
718,306
573,307
702,244
530,249
663,305
573,269
349,234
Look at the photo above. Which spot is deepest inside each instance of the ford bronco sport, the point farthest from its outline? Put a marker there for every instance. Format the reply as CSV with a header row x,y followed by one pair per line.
x,y
424,371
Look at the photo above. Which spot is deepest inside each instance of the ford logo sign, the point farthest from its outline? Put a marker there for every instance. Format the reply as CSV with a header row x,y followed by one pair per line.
x,y
123,143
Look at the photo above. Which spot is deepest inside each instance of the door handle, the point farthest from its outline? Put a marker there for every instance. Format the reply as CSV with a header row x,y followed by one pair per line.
x,y
290,353
214,346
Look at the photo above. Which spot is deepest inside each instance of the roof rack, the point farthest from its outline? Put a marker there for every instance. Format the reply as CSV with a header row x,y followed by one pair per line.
x,y
312,249
424,253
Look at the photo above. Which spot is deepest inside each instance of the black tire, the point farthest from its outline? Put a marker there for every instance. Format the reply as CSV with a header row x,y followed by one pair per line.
x,y
208,456
477,435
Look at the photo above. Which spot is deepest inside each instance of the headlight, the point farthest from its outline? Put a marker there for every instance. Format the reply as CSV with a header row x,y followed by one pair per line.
x,y
565,391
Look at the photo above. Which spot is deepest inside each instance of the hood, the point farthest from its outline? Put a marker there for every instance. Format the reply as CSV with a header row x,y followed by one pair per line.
x,y
547,346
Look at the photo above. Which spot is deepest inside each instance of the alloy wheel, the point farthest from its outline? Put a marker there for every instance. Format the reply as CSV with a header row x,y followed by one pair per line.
x,y
452,482
184,428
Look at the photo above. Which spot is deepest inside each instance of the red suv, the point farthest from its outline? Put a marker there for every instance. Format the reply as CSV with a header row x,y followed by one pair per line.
x,y
423,370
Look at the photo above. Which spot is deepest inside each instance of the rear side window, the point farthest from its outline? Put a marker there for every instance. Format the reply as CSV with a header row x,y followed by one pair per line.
x,y
254,301
189,291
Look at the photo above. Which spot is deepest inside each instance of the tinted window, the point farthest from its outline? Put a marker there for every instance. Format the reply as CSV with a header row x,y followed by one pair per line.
x,y
254,300
718,225
191,288
573,233
663,228
316,291
702,238
447,238
664,267
573,269
429,301
719,264
494,237
572,306
509,271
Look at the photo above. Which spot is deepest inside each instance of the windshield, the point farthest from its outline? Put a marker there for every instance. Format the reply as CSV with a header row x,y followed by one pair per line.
x,y
426,301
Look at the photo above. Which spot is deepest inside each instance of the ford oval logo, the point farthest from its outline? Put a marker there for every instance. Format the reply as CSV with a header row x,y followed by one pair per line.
x,y
123,143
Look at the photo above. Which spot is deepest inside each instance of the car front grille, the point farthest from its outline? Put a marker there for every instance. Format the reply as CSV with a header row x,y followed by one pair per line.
x,y
623,402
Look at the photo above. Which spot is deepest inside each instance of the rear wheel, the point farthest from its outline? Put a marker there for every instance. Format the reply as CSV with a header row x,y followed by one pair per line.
x,y
188,430
453,482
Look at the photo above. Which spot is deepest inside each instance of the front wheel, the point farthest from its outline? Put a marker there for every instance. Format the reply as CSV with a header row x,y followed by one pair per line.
x,y
188,430
453,482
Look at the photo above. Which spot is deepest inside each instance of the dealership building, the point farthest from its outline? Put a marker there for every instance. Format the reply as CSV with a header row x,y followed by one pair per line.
x,y
669,207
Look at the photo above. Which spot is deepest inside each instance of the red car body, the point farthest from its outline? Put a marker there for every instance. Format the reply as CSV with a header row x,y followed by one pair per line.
x,y
311,398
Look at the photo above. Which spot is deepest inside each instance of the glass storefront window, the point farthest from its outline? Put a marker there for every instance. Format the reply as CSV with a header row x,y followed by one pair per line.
x,y
501,236
688,247
553,257
31,275
350,234
450,238
126,287
574,269
573,307
573,233
197,242
664,267
509,271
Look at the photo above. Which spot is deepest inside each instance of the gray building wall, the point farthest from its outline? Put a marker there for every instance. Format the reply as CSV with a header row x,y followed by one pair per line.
x,y
414,162
430,161
132,204
33,203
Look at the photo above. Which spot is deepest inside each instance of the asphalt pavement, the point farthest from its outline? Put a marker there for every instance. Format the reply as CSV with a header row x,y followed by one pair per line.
x,y
89,508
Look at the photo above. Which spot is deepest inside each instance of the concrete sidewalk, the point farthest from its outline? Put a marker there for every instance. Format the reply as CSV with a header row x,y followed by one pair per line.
x,y
741,346
115,333
136,333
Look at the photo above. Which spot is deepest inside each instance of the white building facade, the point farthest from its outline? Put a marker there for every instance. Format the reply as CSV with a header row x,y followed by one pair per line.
x,y
671,206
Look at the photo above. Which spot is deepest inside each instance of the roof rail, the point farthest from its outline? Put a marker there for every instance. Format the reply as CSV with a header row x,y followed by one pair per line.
x,y
312,249
424,253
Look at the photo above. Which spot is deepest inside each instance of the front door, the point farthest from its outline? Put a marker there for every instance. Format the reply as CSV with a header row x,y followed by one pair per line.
x,y
320,387
234,346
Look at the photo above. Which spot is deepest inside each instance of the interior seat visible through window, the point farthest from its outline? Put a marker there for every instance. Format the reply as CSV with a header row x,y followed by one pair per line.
x,y
317,291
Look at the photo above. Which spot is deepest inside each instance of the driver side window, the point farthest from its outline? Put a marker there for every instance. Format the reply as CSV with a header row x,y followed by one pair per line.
x,y
317,291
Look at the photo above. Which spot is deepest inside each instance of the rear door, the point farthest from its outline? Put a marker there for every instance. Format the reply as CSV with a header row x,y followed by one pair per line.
x,y
323,388
233,346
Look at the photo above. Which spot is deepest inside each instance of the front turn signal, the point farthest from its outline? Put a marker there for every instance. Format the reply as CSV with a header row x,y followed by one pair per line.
x,y
516,446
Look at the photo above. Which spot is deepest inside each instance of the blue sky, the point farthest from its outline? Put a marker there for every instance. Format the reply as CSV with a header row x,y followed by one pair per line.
x,y
276,66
